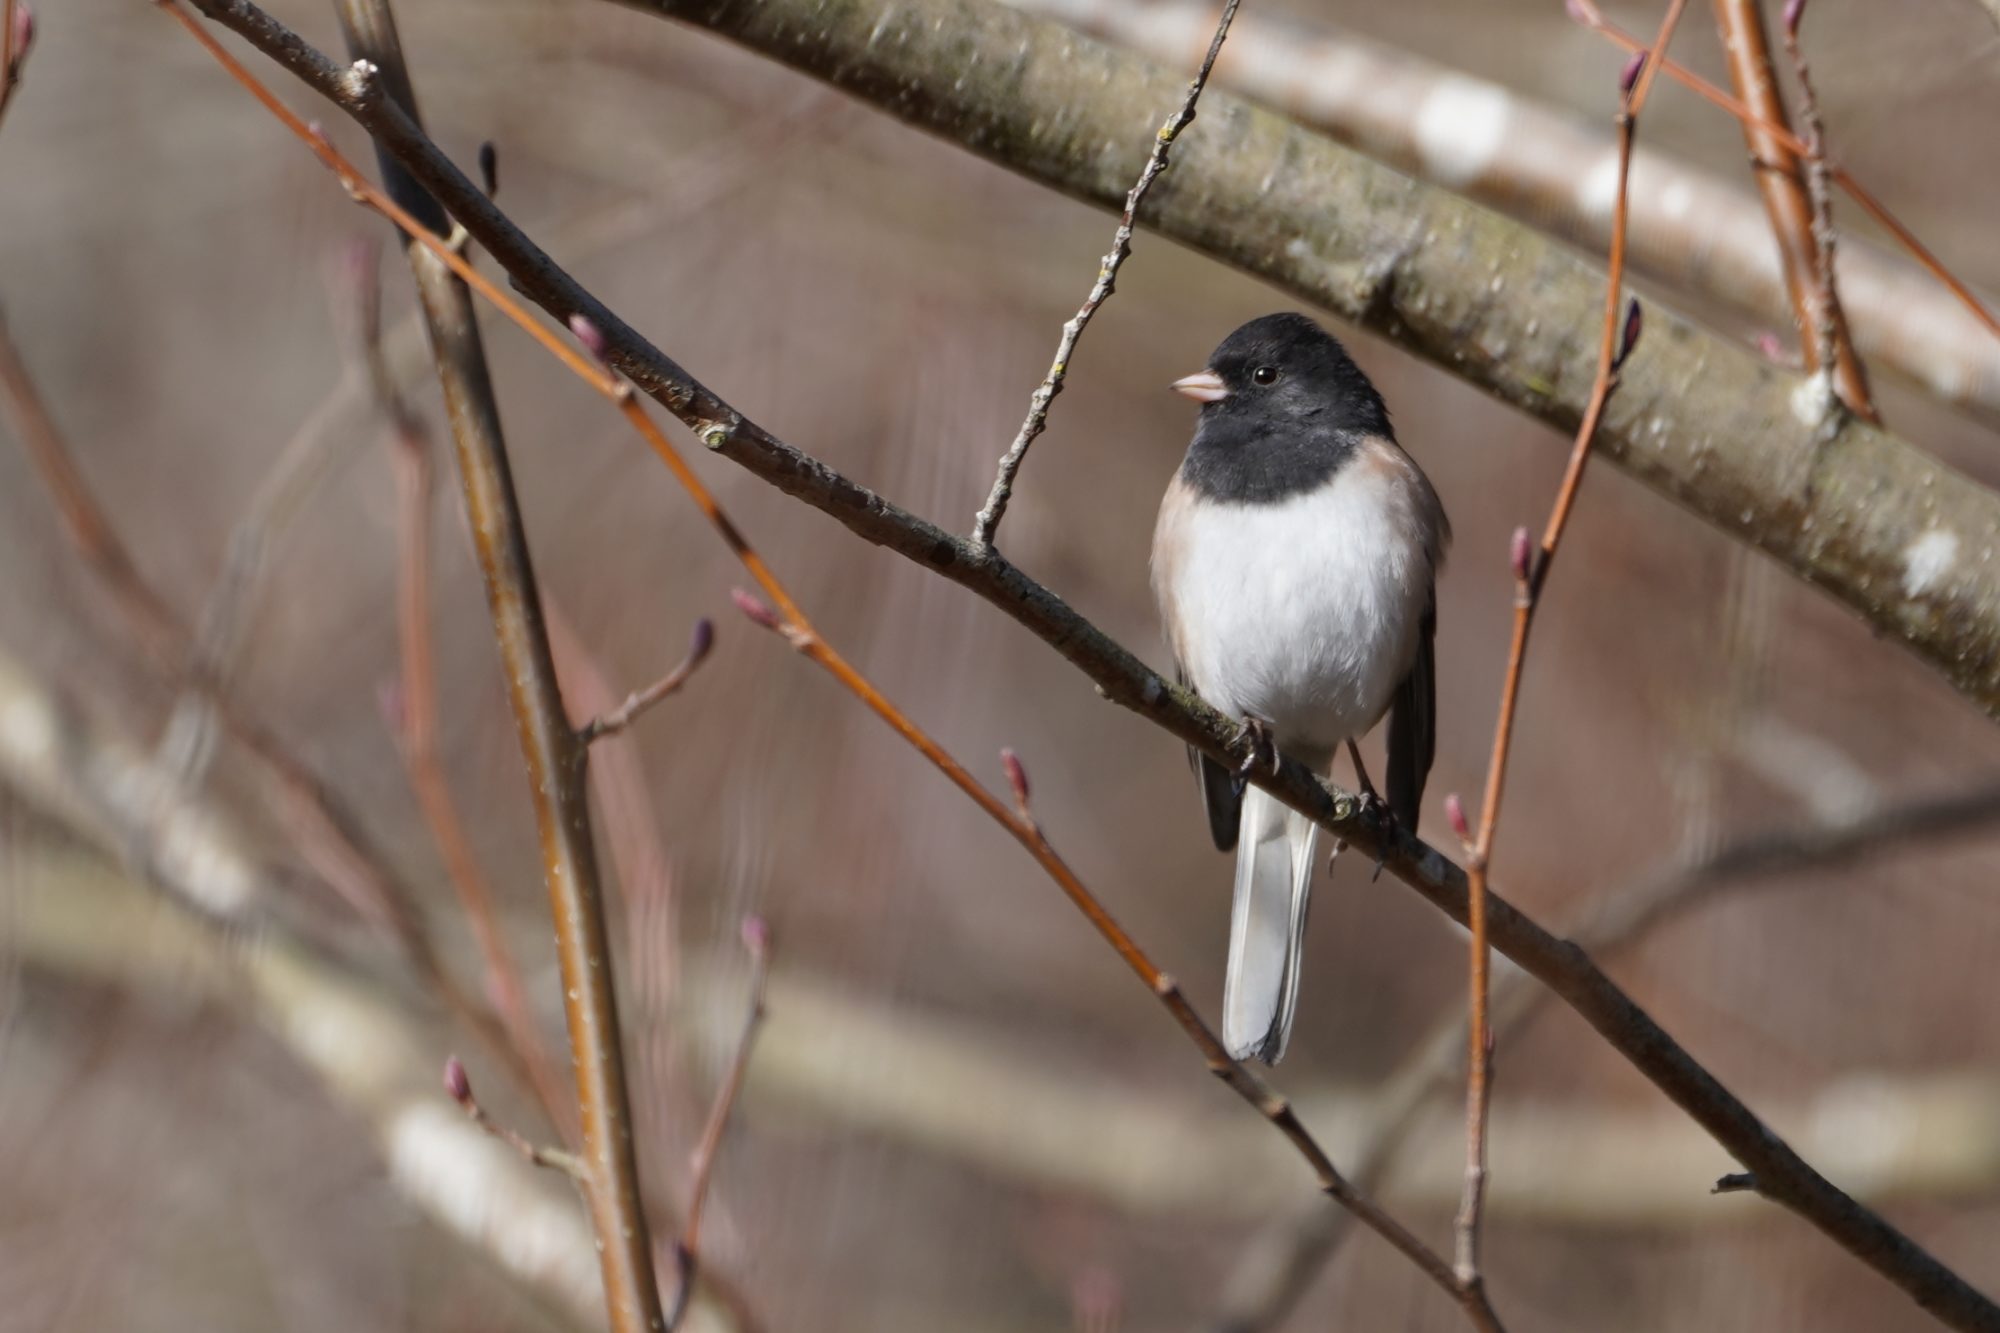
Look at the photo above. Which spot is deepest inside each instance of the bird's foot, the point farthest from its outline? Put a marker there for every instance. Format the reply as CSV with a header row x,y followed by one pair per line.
x,y
1371,807
1263,750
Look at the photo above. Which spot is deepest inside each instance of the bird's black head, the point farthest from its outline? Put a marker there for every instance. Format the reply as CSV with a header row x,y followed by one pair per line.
x,y
1283,406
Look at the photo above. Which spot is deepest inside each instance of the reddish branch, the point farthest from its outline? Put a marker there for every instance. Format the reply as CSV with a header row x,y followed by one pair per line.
x,y
1804,244
687,1251
1530,573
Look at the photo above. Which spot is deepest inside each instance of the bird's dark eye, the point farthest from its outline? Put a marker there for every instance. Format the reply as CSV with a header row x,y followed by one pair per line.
x,y
1265,375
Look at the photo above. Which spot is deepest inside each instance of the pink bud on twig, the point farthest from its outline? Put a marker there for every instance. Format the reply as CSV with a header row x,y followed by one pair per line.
x,y
1629,76
756,935
1518,552
1794,11
755,607
1772,347
592,337
456,1083
1017,776
1635,324
24,35
1581,12
1454,815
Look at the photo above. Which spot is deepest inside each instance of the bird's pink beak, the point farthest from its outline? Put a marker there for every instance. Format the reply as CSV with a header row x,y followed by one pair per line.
x,y
1206,387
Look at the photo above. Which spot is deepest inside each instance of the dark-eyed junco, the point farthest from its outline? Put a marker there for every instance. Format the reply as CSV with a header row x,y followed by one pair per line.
x,y
1294,563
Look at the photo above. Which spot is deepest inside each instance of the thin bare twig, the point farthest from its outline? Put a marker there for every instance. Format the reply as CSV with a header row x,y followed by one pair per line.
x,y
17,38
1794,206
1530,573
1037,420
459,1085
555,757
1831,344
687,1250
1120,676
615,720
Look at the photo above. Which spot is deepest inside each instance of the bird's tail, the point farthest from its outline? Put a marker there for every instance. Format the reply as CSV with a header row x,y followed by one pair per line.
x,y
1267,927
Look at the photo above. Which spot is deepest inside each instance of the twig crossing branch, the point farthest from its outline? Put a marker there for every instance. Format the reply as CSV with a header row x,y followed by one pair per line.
x,y
1037,419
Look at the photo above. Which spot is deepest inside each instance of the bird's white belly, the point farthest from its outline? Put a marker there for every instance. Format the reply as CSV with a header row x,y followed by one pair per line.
x,y
1303,613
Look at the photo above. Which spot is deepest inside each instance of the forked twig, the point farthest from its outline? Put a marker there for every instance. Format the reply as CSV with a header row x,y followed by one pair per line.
x,y
1037,420
1531,570
459,1085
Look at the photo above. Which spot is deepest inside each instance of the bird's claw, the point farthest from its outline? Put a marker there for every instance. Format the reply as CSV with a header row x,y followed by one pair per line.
x,y
1263,750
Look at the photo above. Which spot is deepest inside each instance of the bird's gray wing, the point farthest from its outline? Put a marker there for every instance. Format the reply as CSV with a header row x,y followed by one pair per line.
x,y
1413,726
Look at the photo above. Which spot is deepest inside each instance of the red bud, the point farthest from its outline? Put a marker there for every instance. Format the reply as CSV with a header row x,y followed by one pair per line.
x,y
1017,776
1518,552
1629,76
1794,11
1581,12
703,640
756,935
1454,814
1772,347
753,606
456,1083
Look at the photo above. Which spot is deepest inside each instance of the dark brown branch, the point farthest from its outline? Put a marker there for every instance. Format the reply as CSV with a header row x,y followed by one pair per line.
x,y
1121,677
1791,207
554,754
1270,1284
1037,419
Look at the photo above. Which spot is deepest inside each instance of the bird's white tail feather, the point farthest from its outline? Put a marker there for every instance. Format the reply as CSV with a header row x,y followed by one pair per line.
x,y
1267,927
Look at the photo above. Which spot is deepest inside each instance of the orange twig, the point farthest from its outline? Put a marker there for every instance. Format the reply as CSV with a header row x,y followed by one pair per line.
x,y
789,619
1874,207
1529,576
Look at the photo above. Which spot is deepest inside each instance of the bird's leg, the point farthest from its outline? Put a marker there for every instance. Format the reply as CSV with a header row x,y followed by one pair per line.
x,y
1373,804
1263,750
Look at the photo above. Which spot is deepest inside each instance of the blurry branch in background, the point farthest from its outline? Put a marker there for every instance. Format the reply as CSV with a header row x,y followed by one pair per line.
x,y
328,836
687,1249
1689,228
1493,303
1616,342
1037,419
414,714
789,620
553,752
1273,1276
1785,1177
1797,209
360,1043
1588,14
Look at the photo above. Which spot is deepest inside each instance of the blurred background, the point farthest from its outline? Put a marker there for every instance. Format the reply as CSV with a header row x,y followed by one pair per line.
x,y
963,1114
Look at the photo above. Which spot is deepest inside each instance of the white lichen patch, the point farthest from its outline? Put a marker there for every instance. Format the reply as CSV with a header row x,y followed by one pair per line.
x,y
1460,127
1927,560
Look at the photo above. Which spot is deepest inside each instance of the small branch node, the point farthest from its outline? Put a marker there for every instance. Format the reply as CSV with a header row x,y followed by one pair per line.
x,y
459,1085
1737,1182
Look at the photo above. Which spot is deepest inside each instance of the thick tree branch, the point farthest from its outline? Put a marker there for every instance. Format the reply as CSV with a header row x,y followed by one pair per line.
x,y
1122,677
